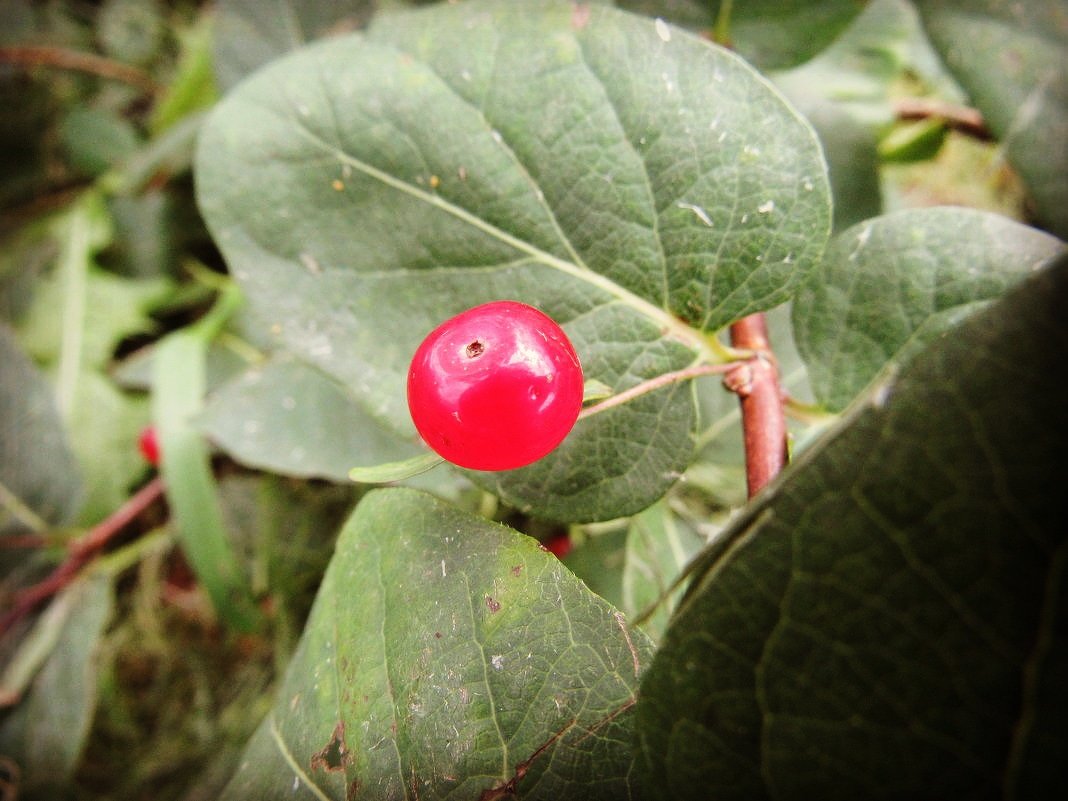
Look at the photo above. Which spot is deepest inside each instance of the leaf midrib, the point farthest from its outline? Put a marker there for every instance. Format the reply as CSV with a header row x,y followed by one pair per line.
x,y
680,331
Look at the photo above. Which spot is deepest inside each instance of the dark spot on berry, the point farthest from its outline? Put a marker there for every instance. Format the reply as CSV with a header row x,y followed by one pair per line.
x,y
475,349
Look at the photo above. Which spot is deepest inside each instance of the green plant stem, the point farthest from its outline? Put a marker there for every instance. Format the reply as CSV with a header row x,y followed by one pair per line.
x,y
656,383
80,551
721,33
756,382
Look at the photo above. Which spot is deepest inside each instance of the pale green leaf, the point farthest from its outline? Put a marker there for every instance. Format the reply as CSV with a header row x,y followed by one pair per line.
x,y
291,418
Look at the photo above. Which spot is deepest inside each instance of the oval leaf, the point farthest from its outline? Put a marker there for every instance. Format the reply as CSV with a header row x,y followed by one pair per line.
x,y
622,176
889,621
890,285
500,671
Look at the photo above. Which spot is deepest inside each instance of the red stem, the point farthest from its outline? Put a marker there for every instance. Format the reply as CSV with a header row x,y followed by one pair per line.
x,y
79,61
756,382
81,551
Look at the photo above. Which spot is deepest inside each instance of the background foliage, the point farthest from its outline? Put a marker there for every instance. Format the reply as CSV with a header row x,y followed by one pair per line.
x,y
236,222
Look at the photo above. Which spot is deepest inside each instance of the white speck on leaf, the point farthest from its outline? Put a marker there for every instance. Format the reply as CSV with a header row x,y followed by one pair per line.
x,y
311,264
807,184
303,110
497,661
667,82
497,136
767,207
662,30
701,214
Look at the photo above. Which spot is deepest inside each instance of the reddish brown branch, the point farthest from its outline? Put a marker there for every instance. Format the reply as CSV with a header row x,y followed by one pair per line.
x,y
80,551
79,61
756,382
960,118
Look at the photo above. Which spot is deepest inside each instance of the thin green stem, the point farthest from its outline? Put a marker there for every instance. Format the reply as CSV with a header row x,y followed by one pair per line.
x,y
721,33
20,511
653,384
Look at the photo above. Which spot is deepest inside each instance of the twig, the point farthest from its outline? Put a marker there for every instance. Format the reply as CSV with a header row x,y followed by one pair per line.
x,y
79,61
655,383
81,551
756,382
961,118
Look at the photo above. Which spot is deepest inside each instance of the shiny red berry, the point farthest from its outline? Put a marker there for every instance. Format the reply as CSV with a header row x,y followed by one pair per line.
x,y
496,387
148,444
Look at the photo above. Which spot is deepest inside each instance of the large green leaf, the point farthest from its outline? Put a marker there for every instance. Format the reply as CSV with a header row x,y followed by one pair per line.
x,y
890,285
619,174
39,477
889,620
447,656
1012,58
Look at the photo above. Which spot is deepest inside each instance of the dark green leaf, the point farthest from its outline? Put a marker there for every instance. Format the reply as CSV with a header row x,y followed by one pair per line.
x,y
447,656
890,285
890,619
1012,58
356,226
39,480
773,34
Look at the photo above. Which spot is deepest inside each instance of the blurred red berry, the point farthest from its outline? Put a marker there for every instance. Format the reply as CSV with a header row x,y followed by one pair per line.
x,y
559,545
148,444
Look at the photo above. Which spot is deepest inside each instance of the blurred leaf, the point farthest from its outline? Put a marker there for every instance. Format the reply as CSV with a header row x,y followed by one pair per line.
x,y
289,417
503,671
355,227
39,480
845,91
113,308
1012,58
131,30
889,286
96,139
918,140
250,33
104,426
192,88
659,546
185,465
889,620
46,733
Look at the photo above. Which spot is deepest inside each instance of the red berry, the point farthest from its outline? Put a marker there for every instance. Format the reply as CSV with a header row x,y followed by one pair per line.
x,y
148,444
559,545
496,387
